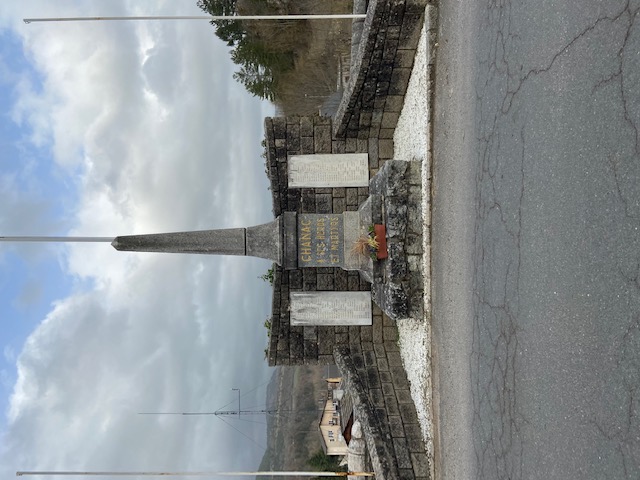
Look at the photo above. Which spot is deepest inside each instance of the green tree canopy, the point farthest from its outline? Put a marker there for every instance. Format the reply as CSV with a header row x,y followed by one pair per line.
x,y
232,32
255,49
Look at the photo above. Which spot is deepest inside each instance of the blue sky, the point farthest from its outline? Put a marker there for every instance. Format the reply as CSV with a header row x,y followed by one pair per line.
x,y
118,129
28,282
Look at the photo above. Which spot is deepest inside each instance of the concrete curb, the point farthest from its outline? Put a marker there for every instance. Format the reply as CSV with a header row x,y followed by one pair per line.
x,y
431,27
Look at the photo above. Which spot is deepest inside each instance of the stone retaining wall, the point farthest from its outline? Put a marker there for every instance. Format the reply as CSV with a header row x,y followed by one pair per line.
x,y
375,378
368,357
364,123
295,135
380,71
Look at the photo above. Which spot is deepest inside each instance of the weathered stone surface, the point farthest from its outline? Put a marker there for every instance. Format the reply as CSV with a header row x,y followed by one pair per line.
x,y
390,120
413,245
324,203
339,205
309,279
320,241
338,147
390,333
218,242
396,303
386,149
308,199
322,139
295,279
306,145
331,170
306,127
420,464
402,453
399,80
397,215
330,308
377,71
293,137
289,241
352,196
386,133
397,263
325,282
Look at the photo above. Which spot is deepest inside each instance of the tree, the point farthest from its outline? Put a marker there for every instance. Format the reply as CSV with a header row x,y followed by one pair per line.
x,y
257,80
232,32
262,60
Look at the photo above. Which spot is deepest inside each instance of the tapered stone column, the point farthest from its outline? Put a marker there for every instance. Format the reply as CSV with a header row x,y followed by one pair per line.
x,y
264,241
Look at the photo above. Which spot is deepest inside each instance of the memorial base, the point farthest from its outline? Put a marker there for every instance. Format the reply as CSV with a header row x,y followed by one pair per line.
x,y
396,199
356,224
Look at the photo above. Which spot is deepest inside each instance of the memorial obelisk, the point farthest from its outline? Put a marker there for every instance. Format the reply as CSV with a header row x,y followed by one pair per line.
x,y
264,241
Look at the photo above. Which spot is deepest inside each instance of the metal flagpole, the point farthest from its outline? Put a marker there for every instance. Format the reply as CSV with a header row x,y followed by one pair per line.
x,y
203,474
57,239
204,17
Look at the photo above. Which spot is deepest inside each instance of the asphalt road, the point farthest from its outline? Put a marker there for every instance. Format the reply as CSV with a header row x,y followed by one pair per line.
x,y
536,240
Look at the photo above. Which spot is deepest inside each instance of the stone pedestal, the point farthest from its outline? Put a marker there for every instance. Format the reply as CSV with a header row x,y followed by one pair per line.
x,y
396,197
326,240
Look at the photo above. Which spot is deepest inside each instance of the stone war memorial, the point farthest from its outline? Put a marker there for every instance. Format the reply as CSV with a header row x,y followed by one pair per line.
x,y
348,236
332,179
338,192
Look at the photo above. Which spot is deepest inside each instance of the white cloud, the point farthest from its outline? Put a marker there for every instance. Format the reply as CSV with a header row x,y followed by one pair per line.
x,y
148,126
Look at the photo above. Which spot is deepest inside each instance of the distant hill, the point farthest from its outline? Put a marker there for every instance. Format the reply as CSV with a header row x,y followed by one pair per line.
x,y
292,435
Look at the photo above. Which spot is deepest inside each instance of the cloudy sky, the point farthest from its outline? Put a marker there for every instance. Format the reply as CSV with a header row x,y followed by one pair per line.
x,y
112,129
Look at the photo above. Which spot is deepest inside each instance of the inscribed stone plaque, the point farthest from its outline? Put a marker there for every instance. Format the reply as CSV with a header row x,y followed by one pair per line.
x,y
330,308
320,240
329,170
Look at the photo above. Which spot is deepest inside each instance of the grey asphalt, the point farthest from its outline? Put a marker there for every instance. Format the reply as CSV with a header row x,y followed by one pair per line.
x,y
536,240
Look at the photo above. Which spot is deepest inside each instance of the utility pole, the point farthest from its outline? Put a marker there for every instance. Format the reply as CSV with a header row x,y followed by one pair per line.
x,y
238,390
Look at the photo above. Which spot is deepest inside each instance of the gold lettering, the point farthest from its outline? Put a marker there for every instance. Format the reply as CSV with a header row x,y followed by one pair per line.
x,y
320,228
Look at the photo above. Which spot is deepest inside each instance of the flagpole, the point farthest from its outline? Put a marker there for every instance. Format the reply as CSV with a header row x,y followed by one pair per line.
x,y
203,17
56,239
202,474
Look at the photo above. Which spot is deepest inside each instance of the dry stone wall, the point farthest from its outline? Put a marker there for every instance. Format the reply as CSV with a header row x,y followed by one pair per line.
x,y
368,356
286,136
364,123
381,69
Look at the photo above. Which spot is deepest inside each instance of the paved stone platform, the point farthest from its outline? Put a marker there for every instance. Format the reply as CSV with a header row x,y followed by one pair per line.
x,y
369,357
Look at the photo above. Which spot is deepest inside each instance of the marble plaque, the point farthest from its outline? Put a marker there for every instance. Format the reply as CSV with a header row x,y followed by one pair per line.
x,y
320,240
329,170
330,308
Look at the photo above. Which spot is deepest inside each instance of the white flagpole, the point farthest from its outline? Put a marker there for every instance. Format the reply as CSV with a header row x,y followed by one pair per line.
x,y
204,474
56,239
203,17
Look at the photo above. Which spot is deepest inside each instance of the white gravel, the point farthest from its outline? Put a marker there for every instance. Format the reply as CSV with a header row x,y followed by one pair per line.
x,y
411,142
